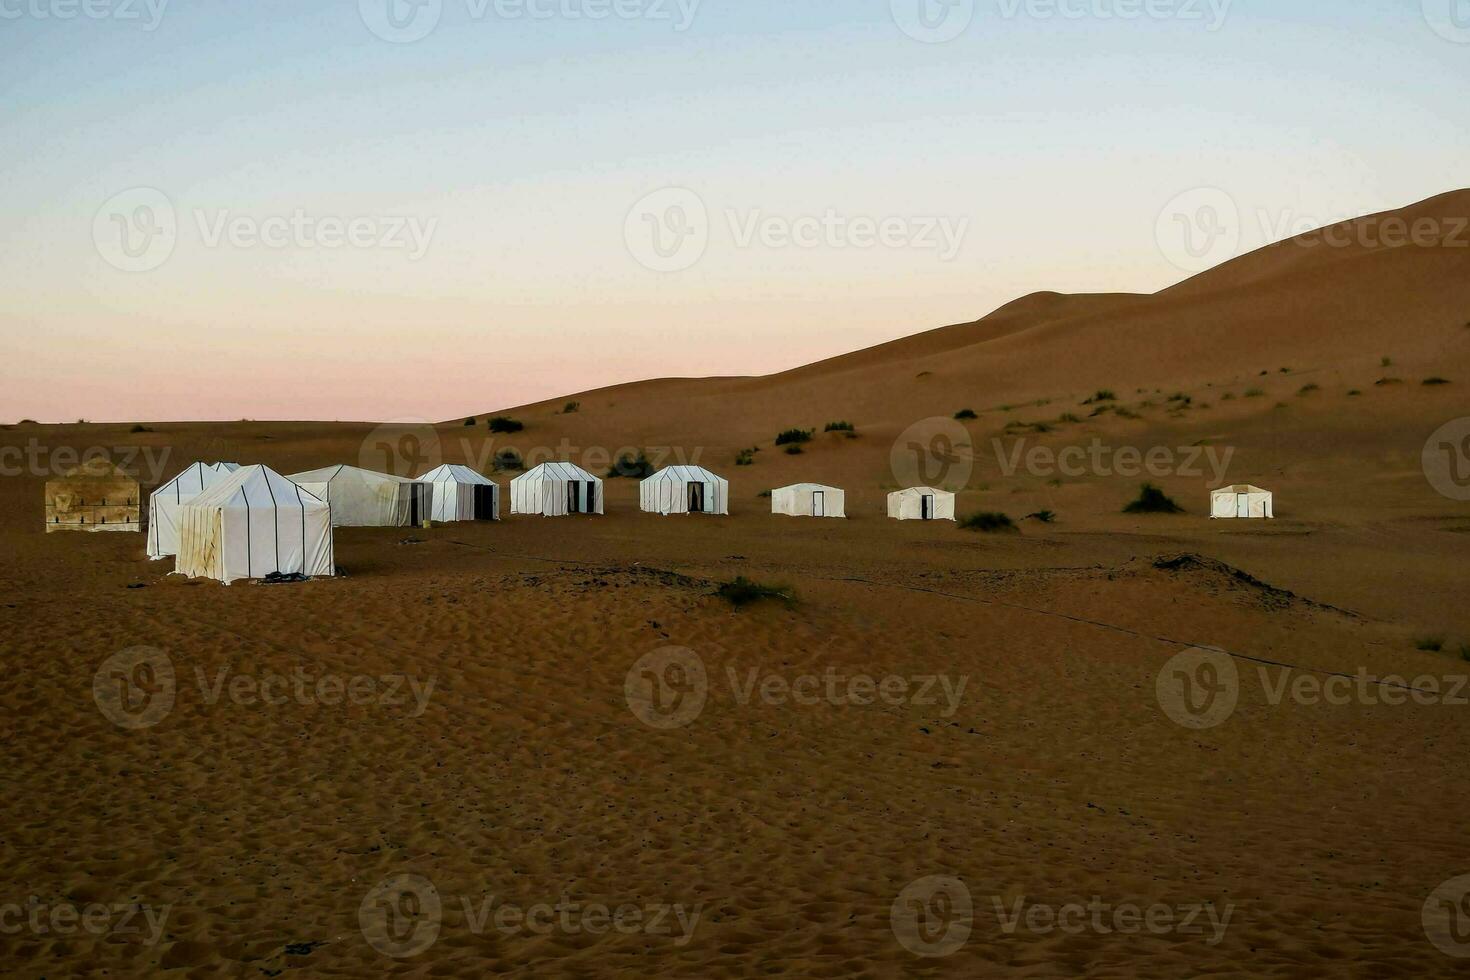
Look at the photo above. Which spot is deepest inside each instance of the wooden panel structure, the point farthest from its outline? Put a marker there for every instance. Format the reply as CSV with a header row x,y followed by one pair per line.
x,y
96,496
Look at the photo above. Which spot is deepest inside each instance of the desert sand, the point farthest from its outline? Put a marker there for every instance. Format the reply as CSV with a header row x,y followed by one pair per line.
x,y
1056,778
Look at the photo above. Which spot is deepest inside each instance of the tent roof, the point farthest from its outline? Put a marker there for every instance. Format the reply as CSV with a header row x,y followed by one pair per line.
x,y
96,467
1241,488
686,474
329,473
557,471
921,490
255,486
808,486
455,473
197,470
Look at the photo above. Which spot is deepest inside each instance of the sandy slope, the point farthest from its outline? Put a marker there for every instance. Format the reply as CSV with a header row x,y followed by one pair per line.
x,y
1057,777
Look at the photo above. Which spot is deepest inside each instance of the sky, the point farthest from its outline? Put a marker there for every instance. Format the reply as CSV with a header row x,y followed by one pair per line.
x,y
425,209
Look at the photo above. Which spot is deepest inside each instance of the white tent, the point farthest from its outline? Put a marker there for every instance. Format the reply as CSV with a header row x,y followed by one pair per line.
x,y
921,504
684,490
1241,500
252,523
165,503
365,498
808,500
556,490
461,494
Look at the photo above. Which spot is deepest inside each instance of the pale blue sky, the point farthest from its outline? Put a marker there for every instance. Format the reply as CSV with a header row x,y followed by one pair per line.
x,y
524,143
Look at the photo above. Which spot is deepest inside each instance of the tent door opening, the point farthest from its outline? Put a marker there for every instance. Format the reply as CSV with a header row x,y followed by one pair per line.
x,y
591,496
926,507
1242,505
574,498
696,498
819,504
484,503
416,504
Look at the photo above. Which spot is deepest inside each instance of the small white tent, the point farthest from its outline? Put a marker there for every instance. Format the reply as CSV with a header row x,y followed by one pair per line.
x,y
1241,500
251,524
365,498
684,490
461,494
921,504
165,503
556,490
809,500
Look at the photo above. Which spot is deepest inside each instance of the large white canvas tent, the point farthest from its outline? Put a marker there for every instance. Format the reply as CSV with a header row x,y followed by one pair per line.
x,y
461,494
556,490
365,498
684,490
1241,500
808,500
921,504
251,524
165,503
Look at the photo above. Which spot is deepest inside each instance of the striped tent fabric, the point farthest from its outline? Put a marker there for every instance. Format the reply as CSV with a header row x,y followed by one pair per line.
x,y
685,490
556,490
252,524
166,503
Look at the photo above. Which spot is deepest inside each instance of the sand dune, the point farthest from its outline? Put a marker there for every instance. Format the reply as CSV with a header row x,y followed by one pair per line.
x,y
508,766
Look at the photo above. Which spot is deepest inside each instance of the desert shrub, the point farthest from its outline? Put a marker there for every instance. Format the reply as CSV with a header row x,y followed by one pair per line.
x,y
847,427
471,422
1382,382
1044,516
507,461
745,457
1308,389
29,422
764,495
1101,395
989,521
1067,418
1286,370
1465,647
1152,500
1385,362
1430,644
965,414
628,465
794,450
1126,413
571,408
1254,393
1180,398
1100,410
140,428
1436,381
1353,393
501,423
743,592
792,437
1229,396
